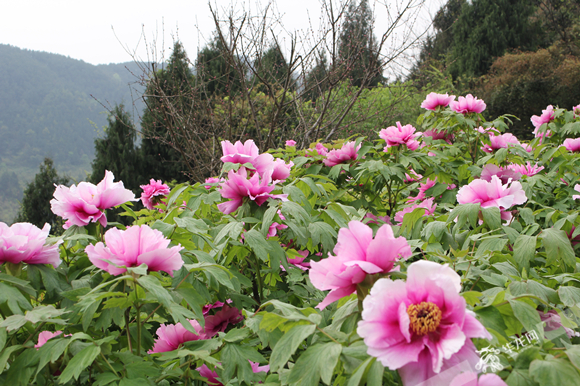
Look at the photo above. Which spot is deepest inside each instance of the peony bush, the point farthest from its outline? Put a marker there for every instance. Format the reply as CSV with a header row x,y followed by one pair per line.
x,y
438,252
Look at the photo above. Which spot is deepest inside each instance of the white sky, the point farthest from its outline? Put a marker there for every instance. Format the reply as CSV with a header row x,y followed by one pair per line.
x,y
100,31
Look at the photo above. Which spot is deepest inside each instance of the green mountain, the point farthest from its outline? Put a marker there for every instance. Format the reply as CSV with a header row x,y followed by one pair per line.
x,y
54,106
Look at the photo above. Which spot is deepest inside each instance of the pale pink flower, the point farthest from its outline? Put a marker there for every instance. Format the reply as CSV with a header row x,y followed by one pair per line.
x,y
44,336
505,175
238,186
493,193
256,368
85,203
400,135
546,117
420,326
290,142
447,137
239,153
356,255
470,379
339,156
171,336
153,193
25,243
468,104
137,245
576,110
221,320
212,180
527,169
527,147
554,322
413,176
572,145
428,205
321,149
500,142
576,188
434,100
488,130
277,168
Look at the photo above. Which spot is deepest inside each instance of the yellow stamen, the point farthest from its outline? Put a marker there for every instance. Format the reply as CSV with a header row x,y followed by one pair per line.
x,y
424,318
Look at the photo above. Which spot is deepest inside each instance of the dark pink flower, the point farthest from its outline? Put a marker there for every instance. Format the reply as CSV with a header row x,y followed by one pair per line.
x,y
137,245
554,322
412,176
356,255
546,117
277,168
527,169
420,326
238,186
239,153
470,379
212,180
290,142
85,203
171,336
339,156
220,321
434,100
400,135
439,135
44,336
505,175
321,149
574,240
468,104
298,262
153,193
500,142
25,243
423,189
275,227
428,205
572,145
493,193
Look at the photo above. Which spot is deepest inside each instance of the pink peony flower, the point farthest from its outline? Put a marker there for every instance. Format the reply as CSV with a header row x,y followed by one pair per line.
x,y
505,175
468,104
546,117
421,326
208,307
321,149
527,169
428,205
85,203
424,187
25,243
375,219
44,336
499,142
357,254
171,336
339,156
277,168
439,135
212,180
400,135
239,153
576,110
488,130
554,322
434,100
493,193
527,147
576,188
413,177
220,321
256,368
275,227
574,240
470,379
153,193
137,245
572,145
238,186
290,142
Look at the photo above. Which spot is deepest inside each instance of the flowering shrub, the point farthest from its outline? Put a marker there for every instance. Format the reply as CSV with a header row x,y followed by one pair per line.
x,y
432,263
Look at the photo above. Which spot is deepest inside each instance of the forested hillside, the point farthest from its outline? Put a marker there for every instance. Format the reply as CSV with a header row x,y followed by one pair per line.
x,y
47,109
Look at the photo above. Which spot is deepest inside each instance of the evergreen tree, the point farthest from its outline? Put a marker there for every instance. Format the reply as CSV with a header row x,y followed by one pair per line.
x,y
215,72
35,206
168,93
357,50
317,81
272,68
117,152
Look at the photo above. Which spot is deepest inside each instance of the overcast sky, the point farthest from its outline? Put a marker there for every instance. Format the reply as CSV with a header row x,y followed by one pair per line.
x,y
103,31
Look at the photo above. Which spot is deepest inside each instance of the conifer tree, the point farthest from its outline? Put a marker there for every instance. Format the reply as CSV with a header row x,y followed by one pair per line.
x,y
35,206
357,50
216,74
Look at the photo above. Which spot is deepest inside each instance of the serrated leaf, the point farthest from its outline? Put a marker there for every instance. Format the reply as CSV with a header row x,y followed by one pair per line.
x,y
554,371
79,362
558,247
316,363
526,314
287,345
524,251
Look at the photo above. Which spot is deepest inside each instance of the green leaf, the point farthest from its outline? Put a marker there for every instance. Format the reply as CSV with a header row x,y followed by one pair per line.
x,y
237,335
219,272
317,362
569,295
526,314
51,351
573,354
14,298
490,245
5,355
287,345
436,190
554,371
491,217
491,318
558,247
79,362
268,219
235,361
258,243
103,379
358,374
463,213
321,231
524,251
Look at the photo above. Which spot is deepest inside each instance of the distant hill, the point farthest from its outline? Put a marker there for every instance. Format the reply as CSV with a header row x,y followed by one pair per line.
x,y
52,105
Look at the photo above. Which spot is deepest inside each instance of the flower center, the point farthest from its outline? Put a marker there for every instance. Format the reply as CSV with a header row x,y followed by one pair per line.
x,y
424,318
